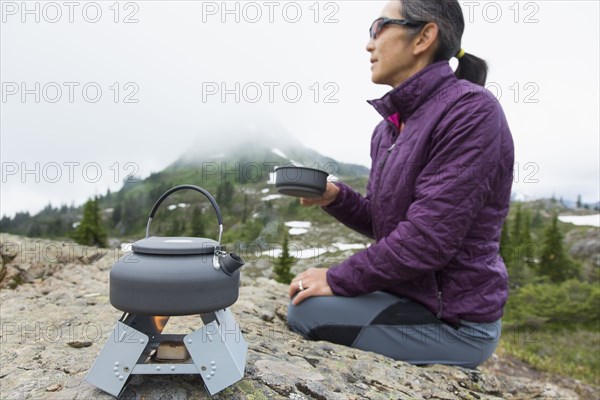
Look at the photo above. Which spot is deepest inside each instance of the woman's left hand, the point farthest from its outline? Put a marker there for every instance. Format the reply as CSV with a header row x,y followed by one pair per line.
x,y
312,282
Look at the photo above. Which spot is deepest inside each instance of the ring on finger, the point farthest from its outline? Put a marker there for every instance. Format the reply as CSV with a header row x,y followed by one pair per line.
x,y
300,287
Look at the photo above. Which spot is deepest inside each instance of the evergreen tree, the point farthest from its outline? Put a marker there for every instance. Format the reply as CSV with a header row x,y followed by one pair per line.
x,y
5,224
245,210
529,249
516,231
518,273
526,232
175,228
116,214
537,221
34,230
133,212
579,204
505,246
55,227
225,193
19,223
197,229
91,231
554,261
283,265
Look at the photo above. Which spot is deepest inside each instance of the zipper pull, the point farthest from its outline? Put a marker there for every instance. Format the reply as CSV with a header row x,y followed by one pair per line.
x,y
387,154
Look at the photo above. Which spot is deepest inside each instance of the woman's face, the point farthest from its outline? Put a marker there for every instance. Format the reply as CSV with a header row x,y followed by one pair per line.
x,y
392,58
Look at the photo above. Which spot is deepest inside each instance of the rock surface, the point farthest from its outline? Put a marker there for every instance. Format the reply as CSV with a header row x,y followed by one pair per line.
x,y
584,246
56,320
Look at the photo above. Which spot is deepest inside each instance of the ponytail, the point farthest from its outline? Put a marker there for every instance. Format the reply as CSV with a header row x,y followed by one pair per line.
x,y
471,68
448,16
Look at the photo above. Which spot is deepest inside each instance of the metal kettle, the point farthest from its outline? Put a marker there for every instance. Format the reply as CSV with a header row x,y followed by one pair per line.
x,y
176,275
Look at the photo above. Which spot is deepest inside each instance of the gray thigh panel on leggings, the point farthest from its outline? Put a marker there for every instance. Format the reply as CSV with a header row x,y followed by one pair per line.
x,y
467,346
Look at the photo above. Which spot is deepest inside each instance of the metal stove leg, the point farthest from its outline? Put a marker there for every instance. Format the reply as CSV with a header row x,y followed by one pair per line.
x,y
218,350
116,360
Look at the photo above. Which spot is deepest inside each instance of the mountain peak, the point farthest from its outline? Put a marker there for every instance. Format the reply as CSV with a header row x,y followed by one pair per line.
x,y
248,140
258,140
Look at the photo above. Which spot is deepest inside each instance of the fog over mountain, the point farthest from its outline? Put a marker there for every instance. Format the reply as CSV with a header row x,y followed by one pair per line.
x,y
167,70
260,143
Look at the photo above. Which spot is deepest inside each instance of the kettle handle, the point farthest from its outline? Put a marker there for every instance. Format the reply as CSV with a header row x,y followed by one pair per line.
x,y
182,187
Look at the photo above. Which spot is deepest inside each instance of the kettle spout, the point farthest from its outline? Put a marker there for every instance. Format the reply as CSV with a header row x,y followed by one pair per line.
x,y
231,263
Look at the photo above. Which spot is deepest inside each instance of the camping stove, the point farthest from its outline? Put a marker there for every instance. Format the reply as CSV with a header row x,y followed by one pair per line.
x,y
171,276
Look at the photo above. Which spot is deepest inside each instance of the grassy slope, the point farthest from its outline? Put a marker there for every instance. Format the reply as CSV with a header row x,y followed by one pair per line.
x,y
572,351
568,352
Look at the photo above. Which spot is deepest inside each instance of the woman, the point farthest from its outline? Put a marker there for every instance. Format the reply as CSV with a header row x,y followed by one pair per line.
x,y
432,286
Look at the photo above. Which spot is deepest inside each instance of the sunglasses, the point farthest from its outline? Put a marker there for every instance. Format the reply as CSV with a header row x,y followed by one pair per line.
x,y
378,25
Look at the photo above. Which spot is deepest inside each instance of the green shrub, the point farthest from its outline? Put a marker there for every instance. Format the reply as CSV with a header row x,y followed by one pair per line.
x,y
565,304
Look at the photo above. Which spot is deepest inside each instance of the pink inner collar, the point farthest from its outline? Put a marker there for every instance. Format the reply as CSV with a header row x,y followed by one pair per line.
x,y
395,119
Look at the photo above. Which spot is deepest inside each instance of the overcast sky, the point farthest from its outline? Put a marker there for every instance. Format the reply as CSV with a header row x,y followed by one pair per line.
x,y
92,91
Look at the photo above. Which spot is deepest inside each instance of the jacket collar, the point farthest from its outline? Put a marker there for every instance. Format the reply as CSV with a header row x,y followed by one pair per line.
x,y
413,92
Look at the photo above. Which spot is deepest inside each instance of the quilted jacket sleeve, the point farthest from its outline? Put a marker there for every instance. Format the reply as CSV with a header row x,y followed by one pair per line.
x,y
350,207
463,163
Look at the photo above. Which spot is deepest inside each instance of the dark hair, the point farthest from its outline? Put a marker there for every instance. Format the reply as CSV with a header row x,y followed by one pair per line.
x,y
448,16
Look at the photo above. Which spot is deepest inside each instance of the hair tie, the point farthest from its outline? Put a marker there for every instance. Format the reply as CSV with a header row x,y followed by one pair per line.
x,y
460,54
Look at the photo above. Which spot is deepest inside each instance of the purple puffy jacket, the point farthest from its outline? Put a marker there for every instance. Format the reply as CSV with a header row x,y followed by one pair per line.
x,y
437,196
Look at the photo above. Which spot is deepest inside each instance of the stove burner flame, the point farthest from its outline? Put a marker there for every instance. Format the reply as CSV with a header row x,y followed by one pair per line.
x,y
160,322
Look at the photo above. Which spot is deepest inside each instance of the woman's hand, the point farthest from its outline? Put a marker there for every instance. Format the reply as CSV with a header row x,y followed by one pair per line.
x,y
312,282
331,192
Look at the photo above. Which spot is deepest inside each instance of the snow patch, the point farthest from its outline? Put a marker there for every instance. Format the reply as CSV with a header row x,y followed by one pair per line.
x,y
298,224
174,206
581,220
314,252
265,191
271,197
298,231
349,246
279,153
